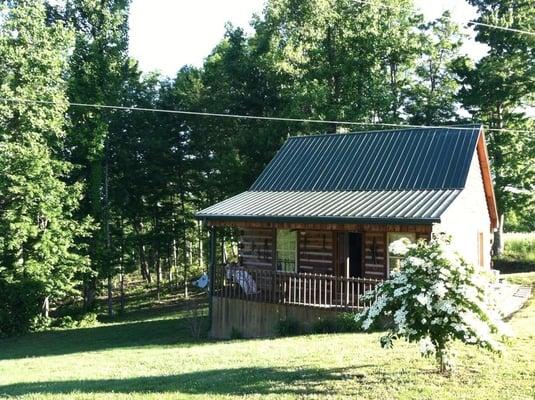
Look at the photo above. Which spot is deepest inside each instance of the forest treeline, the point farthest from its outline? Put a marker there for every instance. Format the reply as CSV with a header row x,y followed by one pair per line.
x,y
89,194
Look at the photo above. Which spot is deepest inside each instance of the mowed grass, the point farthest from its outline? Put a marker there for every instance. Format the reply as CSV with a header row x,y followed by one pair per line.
x,y
151,355
520,246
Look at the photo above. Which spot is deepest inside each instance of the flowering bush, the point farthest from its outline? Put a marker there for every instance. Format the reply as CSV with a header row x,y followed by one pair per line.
x,y
434,299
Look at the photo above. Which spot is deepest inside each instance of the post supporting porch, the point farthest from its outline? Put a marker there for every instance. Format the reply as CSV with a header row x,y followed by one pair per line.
x,y
211,274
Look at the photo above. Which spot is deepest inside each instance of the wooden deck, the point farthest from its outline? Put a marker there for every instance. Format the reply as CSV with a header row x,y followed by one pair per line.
x,y
300,289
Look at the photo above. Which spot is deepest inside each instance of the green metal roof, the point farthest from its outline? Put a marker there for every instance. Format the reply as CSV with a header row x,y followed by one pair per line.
x,y
398,176
430,158
387,206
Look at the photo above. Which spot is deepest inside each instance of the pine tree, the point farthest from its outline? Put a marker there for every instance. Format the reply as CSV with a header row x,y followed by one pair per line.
x,y
38,231
99,65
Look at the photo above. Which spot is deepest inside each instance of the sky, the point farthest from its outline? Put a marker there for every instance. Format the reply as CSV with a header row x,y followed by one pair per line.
x,y
167,34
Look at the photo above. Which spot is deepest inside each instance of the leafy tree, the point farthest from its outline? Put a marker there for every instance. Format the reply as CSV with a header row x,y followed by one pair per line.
x,y
38,230
436,298
432,97
497,92
342,59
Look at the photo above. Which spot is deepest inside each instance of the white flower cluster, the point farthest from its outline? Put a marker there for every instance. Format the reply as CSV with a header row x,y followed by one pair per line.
x,y
399,247
426,346
374,311
435,298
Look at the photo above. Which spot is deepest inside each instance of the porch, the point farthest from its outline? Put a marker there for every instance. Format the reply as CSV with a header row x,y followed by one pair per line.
x,y
297,271
300,289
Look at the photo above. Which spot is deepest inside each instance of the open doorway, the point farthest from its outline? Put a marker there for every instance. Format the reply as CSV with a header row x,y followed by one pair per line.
x,y
350,254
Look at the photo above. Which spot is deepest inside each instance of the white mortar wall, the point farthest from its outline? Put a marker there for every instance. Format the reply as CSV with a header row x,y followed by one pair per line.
x,y
467,216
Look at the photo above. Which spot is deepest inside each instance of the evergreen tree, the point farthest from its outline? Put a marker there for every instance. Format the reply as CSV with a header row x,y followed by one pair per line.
x,y
99,65
38,231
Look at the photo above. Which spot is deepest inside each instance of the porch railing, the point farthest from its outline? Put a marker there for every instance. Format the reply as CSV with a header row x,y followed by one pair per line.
x,y
306,289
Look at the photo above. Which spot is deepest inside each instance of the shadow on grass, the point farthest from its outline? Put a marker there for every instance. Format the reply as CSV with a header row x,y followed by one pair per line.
x,y
238,381
104,337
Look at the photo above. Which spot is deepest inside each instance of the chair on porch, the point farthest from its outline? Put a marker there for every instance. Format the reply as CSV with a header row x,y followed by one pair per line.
x,y
242,278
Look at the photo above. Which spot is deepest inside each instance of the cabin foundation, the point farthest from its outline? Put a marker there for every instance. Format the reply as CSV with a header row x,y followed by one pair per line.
x,y
255,319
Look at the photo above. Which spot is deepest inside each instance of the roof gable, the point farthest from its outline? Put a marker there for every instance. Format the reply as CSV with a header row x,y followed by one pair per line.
x,y
407,159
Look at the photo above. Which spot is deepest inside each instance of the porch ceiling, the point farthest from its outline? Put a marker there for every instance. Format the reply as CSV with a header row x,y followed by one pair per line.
x,y
381,206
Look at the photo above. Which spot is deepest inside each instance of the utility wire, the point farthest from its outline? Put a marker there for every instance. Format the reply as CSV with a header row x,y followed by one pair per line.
x,y
503,28
252,117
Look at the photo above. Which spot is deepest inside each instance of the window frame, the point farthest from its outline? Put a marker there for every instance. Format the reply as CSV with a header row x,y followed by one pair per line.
x,y
409,235
295,235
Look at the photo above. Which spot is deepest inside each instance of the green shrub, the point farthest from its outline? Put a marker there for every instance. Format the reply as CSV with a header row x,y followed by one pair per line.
x,y
235,334
345,322
324,325
289,327
20,307
75,321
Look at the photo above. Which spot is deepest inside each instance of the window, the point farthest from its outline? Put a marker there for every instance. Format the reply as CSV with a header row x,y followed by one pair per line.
x,y
286,250
394,262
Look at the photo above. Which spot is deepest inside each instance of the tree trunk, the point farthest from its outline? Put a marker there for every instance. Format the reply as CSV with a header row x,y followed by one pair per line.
x,y
184,241
110,295
121,282
143,265
175,264
90,292
498,245
223,250
45,308
107,228
158,276
123,299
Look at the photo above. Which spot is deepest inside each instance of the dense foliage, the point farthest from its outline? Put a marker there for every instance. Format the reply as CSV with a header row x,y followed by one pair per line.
x,y
498,91
88,195
39,253
434,299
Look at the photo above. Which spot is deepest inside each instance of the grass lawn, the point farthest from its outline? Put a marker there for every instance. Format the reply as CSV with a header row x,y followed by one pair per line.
x,y
151,355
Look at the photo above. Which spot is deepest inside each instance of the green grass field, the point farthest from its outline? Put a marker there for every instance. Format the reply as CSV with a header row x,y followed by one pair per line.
x,y
151,355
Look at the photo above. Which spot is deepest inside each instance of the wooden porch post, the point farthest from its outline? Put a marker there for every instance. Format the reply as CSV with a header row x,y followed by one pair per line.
x,y
211,274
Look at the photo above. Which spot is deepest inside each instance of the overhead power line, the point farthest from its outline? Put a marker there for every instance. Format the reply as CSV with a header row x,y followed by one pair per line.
x,y
251,117
503,28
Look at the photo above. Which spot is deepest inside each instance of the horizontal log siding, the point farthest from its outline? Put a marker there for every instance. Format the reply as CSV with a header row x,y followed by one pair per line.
x,y
316,252
255,249
375,268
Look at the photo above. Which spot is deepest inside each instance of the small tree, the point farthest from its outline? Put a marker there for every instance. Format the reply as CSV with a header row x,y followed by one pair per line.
x,y
436,298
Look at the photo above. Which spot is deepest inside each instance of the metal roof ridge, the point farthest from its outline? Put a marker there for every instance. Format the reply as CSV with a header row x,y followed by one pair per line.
x,y
408,128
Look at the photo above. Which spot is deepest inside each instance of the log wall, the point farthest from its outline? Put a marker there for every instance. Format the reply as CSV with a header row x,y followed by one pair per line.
x,y
255,248
375,255
316,252
317,249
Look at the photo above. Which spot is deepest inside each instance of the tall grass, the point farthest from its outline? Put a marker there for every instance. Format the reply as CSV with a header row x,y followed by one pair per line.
x,y
520,246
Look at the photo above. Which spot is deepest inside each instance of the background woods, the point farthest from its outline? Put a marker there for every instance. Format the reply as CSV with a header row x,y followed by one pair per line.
x,y
88,195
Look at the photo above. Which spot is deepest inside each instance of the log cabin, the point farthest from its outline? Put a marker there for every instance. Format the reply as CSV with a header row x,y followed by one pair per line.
x,y
315,226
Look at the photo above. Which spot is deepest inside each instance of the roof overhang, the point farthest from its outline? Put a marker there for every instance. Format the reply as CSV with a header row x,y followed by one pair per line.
x,y
399,207
487,179
318,220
